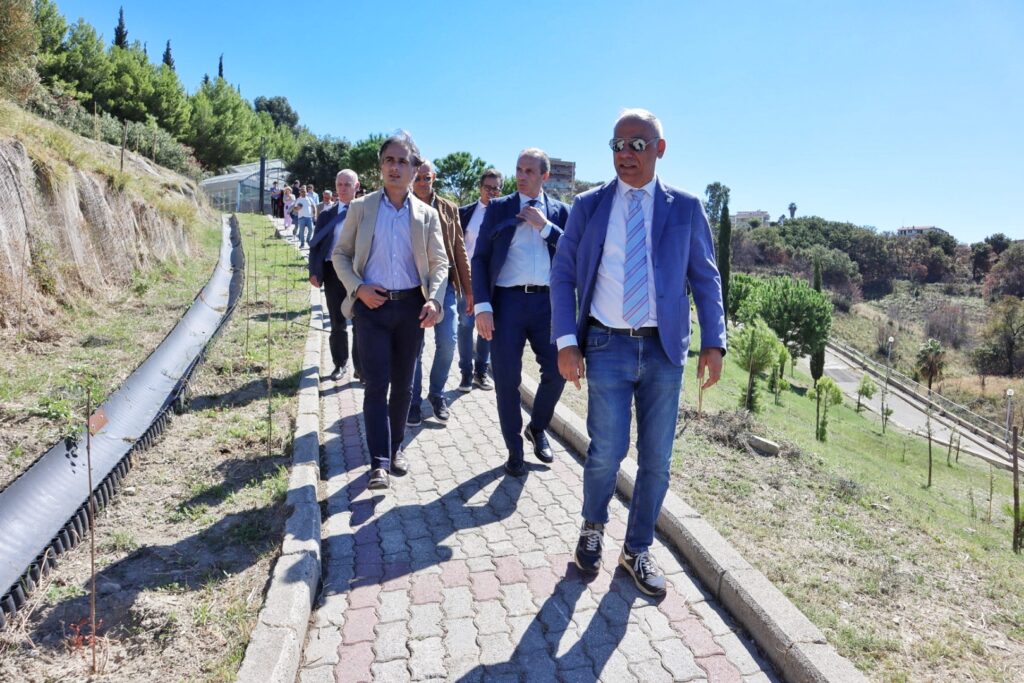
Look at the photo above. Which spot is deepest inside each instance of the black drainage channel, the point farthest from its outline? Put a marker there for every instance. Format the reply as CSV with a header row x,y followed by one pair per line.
x,y
44,512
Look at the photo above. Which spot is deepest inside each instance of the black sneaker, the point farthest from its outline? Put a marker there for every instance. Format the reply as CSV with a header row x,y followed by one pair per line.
x,y
645,572
440,407
589,547
483,382
466,385
415,416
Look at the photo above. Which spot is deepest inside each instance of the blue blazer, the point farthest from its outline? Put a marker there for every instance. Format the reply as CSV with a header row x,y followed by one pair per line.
x,y
320,245
495,238
682,252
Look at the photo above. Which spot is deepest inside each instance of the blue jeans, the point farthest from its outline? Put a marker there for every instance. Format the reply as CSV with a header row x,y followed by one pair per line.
x,y
305,230
621,370
444,352
467,359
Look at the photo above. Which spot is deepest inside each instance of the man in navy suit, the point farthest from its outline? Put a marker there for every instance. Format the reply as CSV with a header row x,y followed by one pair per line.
x,y
511,263
321,270
618,292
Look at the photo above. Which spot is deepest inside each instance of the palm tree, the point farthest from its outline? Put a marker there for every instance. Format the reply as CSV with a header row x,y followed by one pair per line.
x,y
792,209
930,361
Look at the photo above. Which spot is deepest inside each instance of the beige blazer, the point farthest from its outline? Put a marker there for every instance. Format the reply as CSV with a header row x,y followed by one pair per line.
x,y
353,248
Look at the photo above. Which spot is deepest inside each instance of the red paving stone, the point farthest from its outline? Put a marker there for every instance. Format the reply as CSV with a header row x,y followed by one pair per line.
x,y
359,625
354,663
485,586
697,637
426,588
364,596
675,607
720,669
509,569
542,582
396,576
455,573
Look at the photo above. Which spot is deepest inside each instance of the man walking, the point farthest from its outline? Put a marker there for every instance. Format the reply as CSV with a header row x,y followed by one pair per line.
x,y
321,269
458,288
511,263
306,210
618,292
391,259
473,366
326,204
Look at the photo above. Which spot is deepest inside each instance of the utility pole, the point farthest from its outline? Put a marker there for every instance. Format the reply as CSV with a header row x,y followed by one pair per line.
x,y
263,171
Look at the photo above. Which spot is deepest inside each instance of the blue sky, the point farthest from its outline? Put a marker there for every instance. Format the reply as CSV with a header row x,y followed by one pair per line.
x,y
877,113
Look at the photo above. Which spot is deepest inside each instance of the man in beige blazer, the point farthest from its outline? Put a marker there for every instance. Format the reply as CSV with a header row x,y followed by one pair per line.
x,y
392,261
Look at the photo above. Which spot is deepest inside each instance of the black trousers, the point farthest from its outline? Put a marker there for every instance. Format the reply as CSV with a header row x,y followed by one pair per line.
x,y
390,336
335,294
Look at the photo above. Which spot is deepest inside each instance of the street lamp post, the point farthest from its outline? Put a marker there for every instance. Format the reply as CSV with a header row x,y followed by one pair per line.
x,y
1009,414
885,387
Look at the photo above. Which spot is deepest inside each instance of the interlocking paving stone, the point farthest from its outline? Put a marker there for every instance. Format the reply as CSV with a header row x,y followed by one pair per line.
x,y
458,572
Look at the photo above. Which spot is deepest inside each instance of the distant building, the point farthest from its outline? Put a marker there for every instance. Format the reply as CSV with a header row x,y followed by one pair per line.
x,y
745,217
239,188
563,178
912,230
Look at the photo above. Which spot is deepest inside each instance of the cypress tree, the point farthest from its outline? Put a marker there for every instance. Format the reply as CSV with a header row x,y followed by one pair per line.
x,y
121,33
725,252
168,59
220,66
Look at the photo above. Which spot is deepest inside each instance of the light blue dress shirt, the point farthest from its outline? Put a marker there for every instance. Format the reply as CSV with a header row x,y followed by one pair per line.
x,y
390,263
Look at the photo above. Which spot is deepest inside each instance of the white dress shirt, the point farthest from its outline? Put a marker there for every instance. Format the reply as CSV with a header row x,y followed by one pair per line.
x,y
473,229
606,304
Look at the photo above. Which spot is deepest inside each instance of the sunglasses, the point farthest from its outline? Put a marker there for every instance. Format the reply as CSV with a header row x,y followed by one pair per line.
x,y
424,178
635,144
493,189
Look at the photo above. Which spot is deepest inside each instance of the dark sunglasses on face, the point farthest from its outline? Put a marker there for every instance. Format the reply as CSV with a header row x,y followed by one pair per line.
x,y
493,189
423,178
635,144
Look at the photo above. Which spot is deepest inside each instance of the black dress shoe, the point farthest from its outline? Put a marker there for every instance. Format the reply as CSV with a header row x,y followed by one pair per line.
x,y
378,479
515,466
541,447
399,464
337,373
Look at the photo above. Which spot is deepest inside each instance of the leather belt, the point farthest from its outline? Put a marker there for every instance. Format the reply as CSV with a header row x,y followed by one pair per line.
x,y
642,332
529,289
396,294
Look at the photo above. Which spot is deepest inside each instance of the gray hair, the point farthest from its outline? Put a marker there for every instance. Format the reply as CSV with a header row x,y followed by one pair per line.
x,y
403,138
540,155
641,115
347,172
429,164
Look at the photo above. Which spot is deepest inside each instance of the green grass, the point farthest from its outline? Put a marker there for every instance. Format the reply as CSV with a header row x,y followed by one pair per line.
x,y
848,530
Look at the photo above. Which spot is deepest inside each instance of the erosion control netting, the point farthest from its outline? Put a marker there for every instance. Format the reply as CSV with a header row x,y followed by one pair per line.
x,y
44,512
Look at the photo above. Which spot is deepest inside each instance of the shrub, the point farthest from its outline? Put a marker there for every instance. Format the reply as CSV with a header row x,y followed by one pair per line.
x,y
948,324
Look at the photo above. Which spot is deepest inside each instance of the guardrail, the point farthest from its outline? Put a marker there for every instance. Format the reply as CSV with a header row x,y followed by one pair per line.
x,y
963,416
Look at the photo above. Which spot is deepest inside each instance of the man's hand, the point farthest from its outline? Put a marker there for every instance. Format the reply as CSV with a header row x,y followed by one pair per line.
x,y
371,295
469,303
485,324
429,314
571,365
315,281
533,216
712,360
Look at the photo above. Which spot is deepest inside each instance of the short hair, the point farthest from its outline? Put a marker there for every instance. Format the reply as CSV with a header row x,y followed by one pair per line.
x,y
403,138
492,173
428,163
647,117
347,172
540,155
328,192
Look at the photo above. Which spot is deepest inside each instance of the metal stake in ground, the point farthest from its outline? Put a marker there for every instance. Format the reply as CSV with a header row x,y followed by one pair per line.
x,y
92,523
270,411
1017,529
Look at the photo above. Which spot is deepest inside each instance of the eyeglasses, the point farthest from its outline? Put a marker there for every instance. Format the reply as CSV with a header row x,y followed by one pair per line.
x,y
635,144
493,189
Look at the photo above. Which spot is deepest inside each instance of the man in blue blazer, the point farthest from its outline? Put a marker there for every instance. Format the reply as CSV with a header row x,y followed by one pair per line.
x,y
510,268
618,292
321,270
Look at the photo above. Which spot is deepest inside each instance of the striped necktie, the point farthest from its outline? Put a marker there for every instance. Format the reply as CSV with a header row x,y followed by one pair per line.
x,y
635,303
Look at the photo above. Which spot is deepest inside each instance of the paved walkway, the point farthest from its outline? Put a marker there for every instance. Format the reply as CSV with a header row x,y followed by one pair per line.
x,y
461,573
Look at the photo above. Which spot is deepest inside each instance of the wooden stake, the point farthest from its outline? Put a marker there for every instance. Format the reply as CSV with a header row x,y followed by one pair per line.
x,y
92,523
270,411
1017,530
124,142
991,490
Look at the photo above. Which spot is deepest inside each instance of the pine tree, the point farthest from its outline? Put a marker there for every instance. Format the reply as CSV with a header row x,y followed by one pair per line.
x,y
220,66
725,251
168,59
121,33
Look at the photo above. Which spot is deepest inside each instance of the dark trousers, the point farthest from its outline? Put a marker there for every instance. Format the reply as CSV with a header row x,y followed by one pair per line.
x,y
335,294
390,337
519,318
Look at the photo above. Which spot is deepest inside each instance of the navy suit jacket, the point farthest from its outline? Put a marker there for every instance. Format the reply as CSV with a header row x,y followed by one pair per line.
x,y
320,245
681,252
495,238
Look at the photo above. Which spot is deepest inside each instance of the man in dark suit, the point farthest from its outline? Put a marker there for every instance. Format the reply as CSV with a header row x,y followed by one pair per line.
x,y
321,270
510,268
473,365
621,317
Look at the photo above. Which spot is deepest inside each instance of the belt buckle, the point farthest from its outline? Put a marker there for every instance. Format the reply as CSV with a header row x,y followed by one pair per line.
x,y
392,295
634,333
530,289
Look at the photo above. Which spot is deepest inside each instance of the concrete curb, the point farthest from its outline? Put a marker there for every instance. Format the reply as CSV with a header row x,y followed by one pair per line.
x,y
794,645
275,647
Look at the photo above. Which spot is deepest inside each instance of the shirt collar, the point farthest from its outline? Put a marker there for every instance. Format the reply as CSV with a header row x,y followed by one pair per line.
x,y
624,188
405,205
523,199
